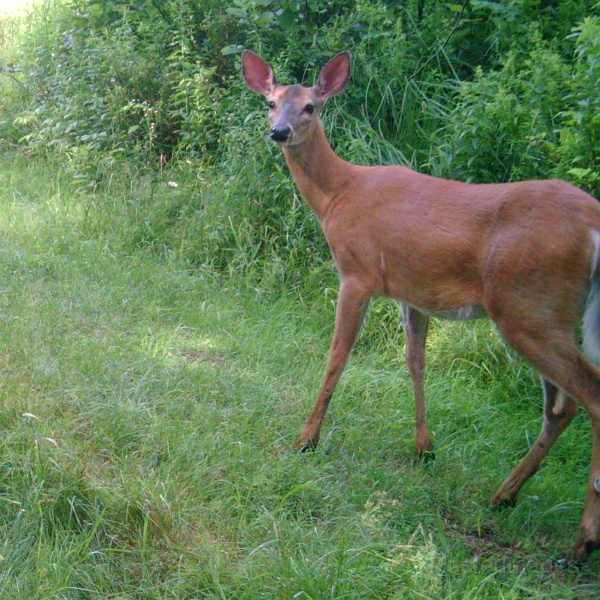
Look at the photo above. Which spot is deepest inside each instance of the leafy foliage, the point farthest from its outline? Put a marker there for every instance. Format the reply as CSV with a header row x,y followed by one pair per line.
x,y
579,151
505,123
481,91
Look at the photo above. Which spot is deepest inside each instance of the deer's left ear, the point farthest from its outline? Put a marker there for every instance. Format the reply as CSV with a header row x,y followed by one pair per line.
x,y
334,76
258,75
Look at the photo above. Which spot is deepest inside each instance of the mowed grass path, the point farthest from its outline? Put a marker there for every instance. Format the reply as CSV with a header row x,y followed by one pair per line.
x,y
148,414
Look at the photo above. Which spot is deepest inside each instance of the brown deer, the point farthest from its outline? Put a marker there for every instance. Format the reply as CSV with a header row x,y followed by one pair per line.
x,y
525,254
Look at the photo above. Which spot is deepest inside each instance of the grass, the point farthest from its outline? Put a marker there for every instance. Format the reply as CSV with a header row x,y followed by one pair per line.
x,y
148,413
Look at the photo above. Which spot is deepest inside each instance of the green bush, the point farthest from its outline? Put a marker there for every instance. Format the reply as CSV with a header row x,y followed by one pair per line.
x,y
504,125
109,89
579,152
535,117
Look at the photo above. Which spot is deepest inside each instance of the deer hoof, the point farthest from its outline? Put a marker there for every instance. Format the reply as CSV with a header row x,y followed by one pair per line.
x,y
500,501
425,456
582,549
304,446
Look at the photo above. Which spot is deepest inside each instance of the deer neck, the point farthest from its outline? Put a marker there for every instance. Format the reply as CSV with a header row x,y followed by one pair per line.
x,y
318,171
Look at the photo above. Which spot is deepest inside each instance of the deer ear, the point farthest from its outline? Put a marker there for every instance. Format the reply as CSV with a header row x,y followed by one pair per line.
x,y
258,75
334,76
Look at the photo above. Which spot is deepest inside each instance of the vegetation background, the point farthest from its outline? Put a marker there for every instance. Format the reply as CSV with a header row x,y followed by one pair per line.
x,y
167,302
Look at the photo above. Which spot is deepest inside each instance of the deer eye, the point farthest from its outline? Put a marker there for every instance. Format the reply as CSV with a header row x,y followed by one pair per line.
x,y
271,104
309,109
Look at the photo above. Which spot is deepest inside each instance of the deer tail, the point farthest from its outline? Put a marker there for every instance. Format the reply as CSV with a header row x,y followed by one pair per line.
x,y
591,317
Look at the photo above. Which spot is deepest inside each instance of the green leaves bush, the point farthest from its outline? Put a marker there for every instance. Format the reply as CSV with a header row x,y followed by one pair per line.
x,y
579,151
504,125
534,117
479,91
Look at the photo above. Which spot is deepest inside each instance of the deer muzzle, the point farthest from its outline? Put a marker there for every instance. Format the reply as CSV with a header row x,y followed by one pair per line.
x,y
281,133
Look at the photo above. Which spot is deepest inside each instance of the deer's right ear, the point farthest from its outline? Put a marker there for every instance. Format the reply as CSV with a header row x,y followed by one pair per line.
x,y
258,75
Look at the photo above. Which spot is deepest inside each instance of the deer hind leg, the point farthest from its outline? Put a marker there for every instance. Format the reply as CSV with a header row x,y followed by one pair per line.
x,y
554,354
351,308
559,410
589,532
416,325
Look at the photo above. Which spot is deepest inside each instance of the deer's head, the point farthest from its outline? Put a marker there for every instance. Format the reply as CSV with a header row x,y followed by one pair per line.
x,y
294,109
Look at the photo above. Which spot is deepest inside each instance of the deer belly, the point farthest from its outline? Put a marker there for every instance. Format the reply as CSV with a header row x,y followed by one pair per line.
x,y
462,313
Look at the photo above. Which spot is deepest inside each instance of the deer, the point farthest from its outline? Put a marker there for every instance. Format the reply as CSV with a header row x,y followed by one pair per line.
x,y
525,254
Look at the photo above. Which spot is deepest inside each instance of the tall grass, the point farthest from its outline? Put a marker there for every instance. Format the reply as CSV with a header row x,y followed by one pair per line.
x,y
148,412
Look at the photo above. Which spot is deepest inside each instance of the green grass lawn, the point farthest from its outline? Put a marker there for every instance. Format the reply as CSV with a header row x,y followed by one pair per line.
x,y
148,413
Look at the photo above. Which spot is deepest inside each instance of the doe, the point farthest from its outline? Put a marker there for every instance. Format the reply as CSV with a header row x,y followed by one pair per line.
x,y
525,254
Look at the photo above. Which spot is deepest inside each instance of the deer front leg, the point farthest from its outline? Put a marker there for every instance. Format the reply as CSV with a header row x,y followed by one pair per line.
x,y
352,305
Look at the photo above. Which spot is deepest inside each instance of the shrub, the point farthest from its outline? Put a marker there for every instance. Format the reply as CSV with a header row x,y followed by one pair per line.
x,y
504,123
579,152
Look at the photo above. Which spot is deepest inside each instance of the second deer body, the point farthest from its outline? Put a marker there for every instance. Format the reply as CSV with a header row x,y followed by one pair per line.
x,y
525,254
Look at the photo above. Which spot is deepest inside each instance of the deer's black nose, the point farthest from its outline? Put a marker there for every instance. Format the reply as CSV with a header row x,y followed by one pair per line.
x,y
280,133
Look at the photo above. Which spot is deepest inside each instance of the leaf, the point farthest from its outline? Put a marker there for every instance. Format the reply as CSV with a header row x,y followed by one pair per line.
x,y
228,50
236,12
579,172
265,18
287,19
496,7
